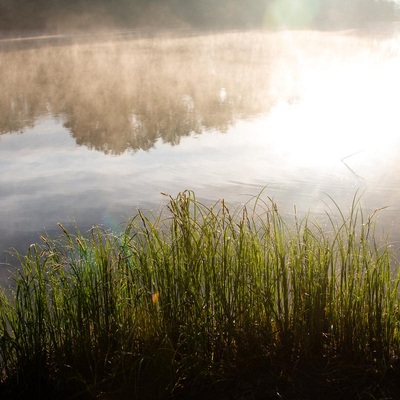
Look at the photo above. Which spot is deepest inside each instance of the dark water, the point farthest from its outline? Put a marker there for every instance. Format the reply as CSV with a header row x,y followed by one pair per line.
x,y
90,131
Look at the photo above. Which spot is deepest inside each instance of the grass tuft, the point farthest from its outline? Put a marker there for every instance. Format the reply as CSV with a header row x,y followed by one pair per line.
x,y
199,297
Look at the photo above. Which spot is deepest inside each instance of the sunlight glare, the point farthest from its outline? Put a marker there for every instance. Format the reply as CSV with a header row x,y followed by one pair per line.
x,y
337,108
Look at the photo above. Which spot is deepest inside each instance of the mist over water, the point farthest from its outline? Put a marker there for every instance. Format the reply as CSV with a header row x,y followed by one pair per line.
x,y
92,129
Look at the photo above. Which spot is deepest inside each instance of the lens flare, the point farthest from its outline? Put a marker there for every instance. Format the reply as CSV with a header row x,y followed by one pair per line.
x,y
293,13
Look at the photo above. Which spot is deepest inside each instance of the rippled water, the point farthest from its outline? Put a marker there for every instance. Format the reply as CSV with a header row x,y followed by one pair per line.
x,y
90,130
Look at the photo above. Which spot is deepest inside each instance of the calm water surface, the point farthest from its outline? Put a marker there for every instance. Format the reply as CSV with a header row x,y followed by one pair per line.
x,y
90,131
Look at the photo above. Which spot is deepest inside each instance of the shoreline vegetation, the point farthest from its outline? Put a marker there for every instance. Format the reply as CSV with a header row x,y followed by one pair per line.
x,y
64,15
206,302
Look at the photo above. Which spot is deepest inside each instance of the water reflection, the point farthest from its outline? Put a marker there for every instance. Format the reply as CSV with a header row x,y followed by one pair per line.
x,y
301,113
126,95
123,95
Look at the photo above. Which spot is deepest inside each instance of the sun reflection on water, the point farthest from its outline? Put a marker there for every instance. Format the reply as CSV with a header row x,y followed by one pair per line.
x,y
342,106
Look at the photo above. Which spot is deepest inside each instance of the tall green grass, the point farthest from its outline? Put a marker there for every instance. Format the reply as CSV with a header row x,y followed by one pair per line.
x,y
194,295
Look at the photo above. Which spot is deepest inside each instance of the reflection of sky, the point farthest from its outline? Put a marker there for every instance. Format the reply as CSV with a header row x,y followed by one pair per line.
x,y
47,178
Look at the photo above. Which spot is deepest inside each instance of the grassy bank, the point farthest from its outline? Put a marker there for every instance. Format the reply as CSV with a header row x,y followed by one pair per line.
x,y
234,303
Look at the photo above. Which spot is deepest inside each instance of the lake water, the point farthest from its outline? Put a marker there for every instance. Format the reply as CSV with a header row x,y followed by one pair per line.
x,y
91,129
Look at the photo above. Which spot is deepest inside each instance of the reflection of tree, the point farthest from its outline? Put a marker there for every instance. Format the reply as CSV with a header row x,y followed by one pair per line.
x,y
127,95
17,114
20,102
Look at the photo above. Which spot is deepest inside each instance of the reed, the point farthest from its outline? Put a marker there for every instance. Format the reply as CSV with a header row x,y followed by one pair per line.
x,y
194,296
